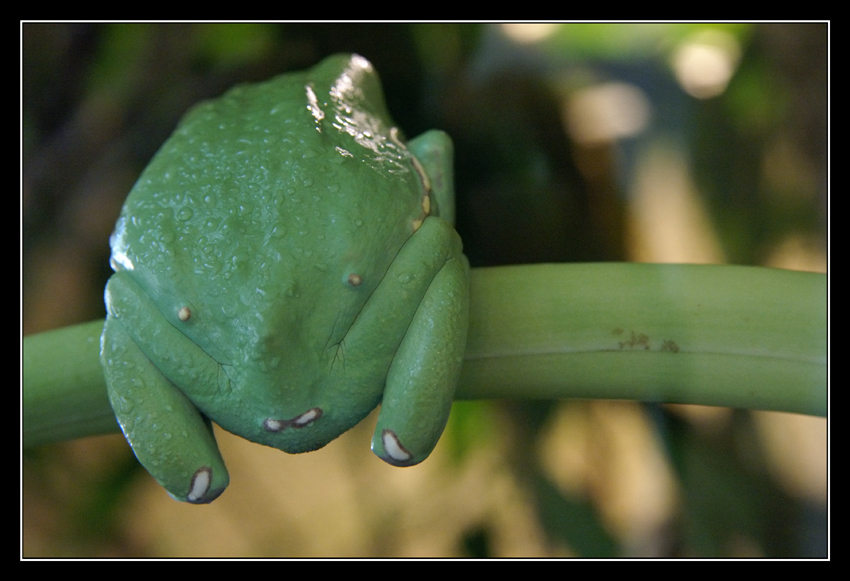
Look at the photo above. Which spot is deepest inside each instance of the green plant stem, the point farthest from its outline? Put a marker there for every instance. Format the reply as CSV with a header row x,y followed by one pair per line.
x,y
64,393
730,336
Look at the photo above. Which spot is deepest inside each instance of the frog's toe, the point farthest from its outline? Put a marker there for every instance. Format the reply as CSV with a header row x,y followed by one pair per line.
x,y
394,451
200,490
299,421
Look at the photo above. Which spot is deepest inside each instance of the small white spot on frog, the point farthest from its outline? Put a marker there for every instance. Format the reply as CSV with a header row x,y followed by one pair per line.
x,y
307,417
299,421
274,425
200,484
394,449
184,314
355,279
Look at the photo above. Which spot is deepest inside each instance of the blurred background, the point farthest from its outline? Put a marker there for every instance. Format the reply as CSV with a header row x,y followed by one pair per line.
x,y
574,142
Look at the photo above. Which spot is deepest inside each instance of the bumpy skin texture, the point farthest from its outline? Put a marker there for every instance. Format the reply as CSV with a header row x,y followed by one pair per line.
x,y
282,267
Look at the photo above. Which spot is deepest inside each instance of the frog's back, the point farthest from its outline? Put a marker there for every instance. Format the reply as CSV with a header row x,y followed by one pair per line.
x,y
268,204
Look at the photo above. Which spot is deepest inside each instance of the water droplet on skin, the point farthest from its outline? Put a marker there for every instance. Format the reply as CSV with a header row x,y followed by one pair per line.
x,y
125,406
343,154
184,214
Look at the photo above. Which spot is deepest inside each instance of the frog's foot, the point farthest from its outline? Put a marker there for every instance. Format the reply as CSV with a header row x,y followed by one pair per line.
x,y
421,382
168,434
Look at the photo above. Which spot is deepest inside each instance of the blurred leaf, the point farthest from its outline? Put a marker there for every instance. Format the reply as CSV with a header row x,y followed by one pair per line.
x,y
574,522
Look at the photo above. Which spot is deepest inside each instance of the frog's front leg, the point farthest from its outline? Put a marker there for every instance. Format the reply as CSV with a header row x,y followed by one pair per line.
x,y
422,379
168,434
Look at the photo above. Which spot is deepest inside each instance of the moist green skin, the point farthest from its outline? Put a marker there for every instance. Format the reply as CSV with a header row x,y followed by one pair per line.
x,y
282,267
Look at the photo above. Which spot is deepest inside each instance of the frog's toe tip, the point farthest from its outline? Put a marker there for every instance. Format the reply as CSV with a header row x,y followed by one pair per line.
x,y
393,451
299,421
200,489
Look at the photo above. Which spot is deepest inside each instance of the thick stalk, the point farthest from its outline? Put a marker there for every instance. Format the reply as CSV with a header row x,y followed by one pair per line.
x,y
64,393
715,335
